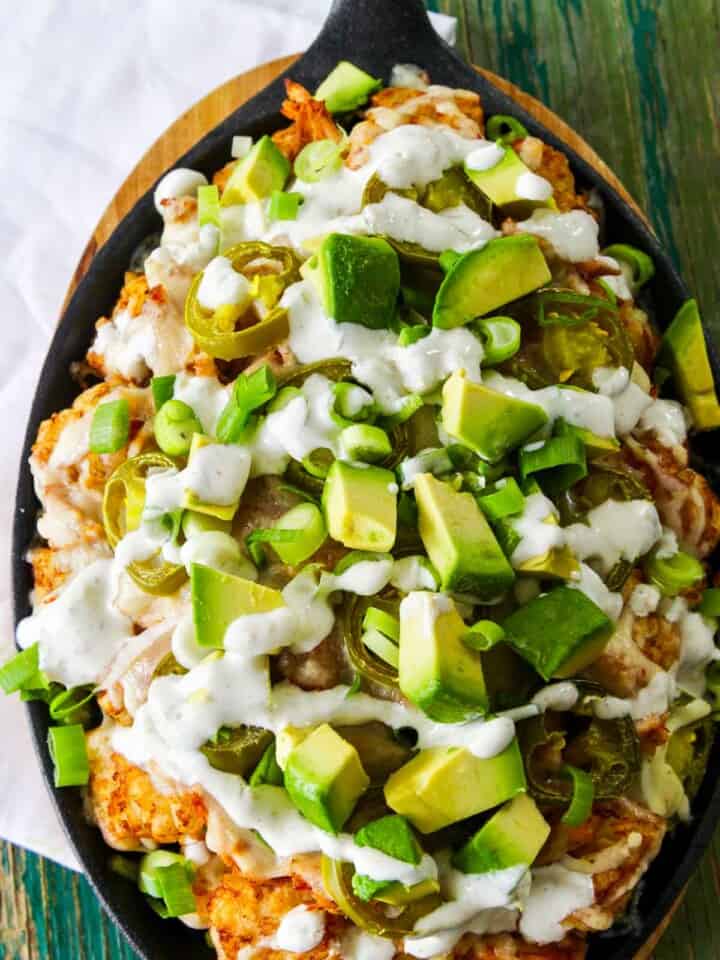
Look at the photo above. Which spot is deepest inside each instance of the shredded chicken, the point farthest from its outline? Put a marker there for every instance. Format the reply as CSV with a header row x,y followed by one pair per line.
x,y
310,121
622,668
553,166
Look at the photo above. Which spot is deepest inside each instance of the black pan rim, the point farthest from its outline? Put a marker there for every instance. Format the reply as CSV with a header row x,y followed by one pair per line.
x,y
354,31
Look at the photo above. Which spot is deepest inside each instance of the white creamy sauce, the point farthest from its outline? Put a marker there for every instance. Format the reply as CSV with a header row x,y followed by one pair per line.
x,y
215,549
697,651
468,895
437,945
217,473
300,930
555,893
668,420
617,282
206,395
594,589
408,75
180,182
667,545
413,573
485,157
644,599
359,945
389,370
221,284
578,407
573,236
538,529
73,443
615,530
80,632
629,400
365,578
557,696
415,155
530,186
653,698
127,344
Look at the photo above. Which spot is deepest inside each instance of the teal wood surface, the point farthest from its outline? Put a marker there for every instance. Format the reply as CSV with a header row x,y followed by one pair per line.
x,y
640,80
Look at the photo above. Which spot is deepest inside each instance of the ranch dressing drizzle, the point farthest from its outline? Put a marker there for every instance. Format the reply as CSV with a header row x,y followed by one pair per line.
x,y
555,893
615,530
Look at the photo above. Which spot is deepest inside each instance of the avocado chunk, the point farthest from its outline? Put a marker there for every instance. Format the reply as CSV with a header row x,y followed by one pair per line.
x,y
324,778
228,474
392,835
220,598
684,350
346,88
360,505
437,671
483,280
511,837
499,183
358,279
488,422
459,541
558,633
446,784
263,171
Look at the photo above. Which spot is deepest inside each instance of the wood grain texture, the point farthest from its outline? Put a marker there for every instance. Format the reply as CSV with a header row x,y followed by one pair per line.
x,y
640,81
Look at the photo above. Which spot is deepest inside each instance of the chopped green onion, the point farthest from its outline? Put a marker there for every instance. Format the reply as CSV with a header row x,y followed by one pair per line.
x,y
174,426
193,523
500,338
68,751
20,670
284,206
382,647
267,772
125,867
410,406
352,404
582,796
208,200
174,883
110,427
318,160
504,128
410,335
307,523
710,603
364,442
73,706
318,463
249,393
564,308
448,259
148,881
505,500
257,553
283,398
672,575
162,389
558,463
384,622
483,635
643,269
433,460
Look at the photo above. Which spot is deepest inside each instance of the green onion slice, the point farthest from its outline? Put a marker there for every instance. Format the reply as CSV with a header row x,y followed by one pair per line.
x,y
318,160
643,269
19,672
162,389
110,427
352,404
557,464
307,525
409,406
505,129
174,426
284,206
382,646
672,575
483,635
382,621
73,706
505,500
249,393
68,751
500,337
710,603
175,883
208,199
365,442
411,334
318,463
581,803
564,308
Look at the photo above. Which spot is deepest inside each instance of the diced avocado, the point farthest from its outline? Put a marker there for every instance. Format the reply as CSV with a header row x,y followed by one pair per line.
x,y
191,501
596,446
324,778
483,280
392,892
437,671
346,88
560,563
446,784
512,836
360,505
684,350
499,183
358,279
287,739
220,598
393,835
264,170
559,633
459,540
488,422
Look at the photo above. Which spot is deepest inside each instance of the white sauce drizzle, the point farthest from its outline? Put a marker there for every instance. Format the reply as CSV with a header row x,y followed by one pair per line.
x,y
573,236
555,893
300,930
180,182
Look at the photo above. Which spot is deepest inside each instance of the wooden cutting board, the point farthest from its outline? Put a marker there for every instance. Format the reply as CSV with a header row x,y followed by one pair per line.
x,y
208,112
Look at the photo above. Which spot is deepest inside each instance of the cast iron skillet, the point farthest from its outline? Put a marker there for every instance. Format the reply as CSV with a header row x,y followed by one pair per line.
x,y
374,34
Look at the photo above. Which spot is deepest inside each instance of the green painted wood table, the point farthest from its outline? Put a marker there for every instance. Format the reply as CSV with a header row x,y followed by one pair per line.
x,y
640,80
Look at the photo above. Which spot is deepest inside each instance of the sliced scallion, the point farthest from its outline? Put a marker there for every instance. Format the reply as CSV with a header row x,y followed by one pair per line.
x,y
307,524
73,706
410,335
174,426
318,463
318,160
249,393
384,622
352,404
20,671
500,338
382,647
366,443
483,635
505,500
284,206
672,575
68,751
504,128
110,427
557,464
643,269
208,200
582,796
409,406
162,389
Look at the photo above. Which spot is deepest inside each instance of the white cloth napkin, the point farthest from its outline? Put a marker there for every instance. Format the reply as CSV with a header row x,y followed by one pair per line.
x,y
87,86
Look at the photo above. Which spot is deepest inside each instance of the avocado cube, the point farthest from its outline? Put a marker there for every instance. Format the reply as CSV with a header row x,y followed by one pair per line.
x,y
324,778
511,837
488,422
483,280
437,671
263,171
393,836
220,598
445,784
684,350
558,633
235,467
346,88
499,183
358,279
360,505
459,540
